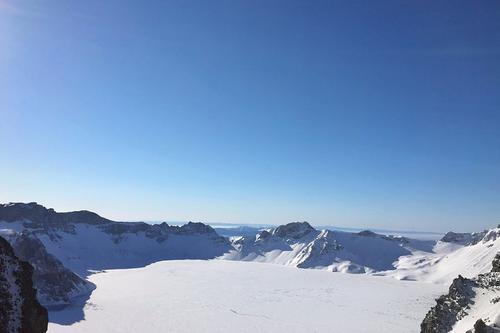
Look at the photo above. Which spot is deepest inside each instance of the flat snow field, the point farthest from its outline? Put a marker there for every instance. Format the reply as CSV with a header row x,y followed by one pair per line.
x,y
226,296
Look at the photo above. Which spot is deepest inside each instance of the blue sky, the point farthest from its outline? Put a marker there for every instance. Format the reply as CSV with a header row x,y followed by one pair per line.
x,y
348,113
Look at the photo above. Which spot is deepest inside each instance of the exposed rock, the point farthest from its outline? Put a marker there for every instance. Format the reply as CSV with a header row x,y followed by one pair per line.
x,y
264,234
20,311
454,306
293,230
55,284
47,221
496,263
46,216
450,307
480,327
463,238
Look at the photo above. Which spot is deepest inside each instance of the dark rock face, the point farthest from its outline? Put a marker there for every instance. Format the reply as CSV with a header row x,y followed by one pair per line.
x,y
293,230
41,220
463,238
20,311
471,238
496,263
46,216
454,306
450,307
480,327
55,284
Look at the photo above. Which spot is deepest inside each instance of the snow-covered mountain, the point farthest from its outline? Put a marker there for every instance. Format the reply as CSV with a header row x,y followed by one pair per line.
x,y
66,248
299,244
20,311
85,242
455,254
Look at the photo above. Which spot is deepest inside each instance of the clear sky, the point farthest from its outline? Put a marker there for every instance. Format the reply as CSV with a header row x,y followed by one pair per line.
x,y
349,113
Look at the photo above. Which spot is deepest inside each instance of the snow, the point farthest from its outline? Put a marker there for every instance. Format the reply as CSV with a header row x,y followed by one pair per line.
x,y
448,260
247,293
90,248
483,308
334,251
226,296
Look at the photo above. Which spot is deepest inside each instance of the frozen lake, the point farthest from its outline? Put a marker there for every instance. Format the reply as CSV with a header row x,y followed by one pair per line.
x,y
225,296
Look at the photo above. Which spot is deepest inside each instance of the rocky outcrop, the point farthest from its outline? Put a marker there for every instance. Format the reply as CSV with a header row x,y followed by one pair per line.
x,y
496,263
294,230
55,284
20,311
471,238
463,238
454,306
450,307
481,327
46,221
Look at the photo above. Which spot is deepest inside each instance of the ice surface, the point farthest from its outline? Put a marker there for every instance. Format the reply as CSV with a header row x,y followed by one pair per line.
x,y
225,296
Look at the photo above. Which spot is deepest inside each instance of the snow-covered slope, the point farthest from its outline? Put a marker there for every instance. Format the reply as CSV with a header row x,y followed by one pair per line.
x,y
450,257
299,244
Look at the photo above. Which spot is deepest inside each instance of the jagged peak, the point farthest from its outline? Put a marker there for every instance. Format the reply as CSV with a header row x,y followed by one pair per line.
x,y
471,238
463,238
264,234
195,228
293,230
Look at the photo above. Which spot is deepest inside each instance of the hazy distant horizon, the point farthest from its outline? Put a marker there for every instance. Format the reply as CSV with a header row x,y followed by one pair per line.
x,y
427,234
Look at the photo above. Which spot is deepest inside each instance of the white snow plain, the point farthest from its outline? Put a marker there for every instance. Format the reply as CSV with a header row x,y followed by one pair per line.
x,y
228,296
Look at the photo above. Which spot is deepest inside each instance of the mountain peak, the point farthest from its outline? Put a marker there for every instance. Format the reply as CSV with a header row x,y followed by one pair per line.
x,y
294,230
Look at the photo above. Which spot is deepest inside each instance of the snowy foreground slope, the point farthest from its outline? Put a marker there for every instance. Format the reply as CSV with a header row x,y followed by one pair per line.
x,y
224,296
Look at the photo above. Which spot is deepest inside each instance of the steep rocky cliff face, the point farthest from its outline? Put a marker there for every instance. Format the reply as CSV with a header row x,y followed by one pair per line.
x,y
496,263
55,284
20,311
450,307
471,305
